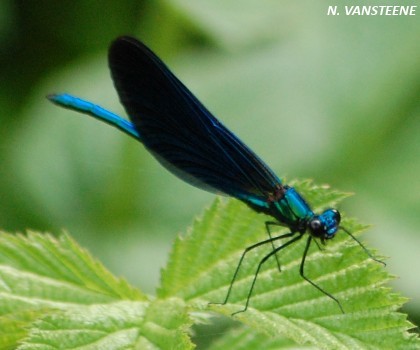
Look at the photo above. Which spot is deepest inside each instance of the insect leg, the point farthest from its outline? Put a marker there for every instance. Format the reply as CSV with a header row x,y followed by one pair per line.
x,y
264,259
267,228
301,270
248,249
363,247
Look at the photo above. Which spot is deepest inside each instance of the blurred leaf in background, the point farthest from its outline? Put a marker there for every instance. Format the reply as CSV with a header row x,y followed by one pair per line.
x,y
335,99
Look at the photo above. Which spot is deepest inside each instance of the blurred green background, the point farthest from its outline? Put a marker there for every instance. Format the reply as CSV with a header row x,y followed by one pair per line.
x,y
335,99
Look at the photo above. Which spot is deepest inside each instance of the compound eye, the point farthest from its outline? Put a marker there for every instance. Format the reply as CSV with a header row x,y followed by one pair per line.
x,y
337,216
316,227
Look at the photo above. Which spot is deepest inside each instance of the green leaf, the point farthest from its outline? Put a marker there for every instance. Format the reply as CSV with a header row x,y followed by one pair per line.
x,y
121,325
53,294
244,338
202,263
57,269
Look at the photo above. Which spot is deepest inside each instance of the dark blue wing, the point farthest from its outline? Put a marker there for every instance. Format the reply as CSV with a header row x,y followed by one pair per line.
x,y
180,132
